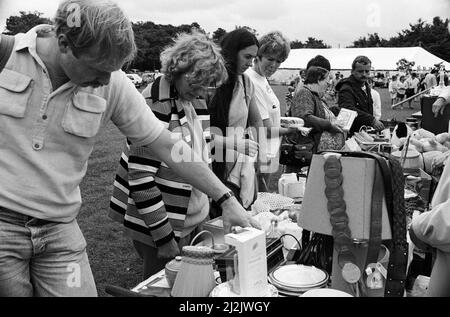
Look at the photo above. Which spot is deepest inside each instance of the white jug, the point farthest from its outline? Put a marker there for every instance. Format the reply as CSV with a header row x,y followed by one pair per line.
x,y
290,186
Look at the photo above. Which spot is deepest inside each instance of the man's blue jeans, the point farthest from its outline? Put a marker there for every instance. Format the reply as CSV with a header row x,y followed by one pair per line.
x,y
40,258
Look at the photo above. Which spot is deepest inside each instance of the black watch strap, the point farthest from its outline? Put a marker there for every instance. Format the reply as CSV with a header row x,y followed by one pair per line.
x,y
225,196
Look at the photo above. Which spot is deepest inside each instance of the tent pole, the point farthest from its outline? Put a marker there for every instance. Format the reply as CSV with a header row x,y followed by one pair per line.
x,y
412,97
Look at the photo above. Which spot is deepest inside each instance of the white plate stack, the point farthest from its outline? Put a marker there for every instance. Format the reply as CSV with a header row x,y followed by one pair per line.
x,y
296,279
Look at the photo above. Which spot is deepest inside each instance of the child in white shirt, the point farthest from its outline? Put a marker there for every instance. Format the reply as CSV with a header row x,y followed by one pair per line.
x,y
393,89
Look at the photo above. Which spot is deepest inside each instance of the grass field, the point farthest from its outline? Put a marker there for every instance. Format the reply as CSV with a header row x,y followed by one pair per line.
x,y
112,256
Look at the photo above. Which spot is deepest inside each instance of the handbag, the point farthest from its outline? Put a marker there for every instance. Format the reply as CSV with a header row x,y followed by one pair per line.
x,y
297,151
297,154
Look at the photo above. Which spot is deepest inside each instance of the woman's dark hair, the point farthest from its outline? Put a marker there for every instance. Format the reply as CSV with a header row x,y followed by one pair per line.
x,y
219,107
315,74
319,61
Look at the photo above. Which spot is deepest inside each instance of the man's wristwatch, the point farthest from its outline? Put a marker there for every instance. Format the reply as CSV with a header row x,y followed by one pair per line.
x,y
225,196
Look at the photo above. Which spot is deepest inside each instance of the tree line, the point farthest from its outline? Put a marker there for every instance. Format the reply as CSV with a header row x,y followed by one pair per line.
x,y
151,38
433,37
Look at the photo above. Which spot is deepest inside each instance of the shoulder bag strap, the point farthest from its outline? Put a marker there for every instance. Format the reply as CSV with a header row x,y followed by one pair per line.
x,y
246,102
245,89
6,47
396,273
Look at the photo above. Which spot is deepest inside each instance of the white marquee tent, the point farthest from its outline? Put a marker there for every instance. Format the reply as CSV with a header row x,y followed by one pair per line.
x,y
383,59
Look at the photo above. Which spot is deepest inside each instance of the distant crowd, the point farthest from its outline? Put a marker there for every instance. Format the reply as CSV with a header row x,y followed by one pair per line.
x,y
401,86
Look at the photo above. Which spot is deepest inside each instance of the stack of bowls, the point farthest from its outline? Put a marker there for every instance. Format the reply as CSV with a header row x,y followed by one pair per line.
x,y
325,292
296,279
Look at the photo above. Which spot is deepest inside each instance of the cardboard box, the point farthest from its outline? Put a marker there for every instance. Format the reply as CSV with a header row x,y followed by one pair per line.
x,y
251,274
274,251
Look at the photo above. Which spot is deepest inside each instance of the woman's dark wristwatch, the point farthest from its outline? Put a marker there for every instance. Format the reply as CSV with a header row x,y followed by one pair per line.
x,y
225,196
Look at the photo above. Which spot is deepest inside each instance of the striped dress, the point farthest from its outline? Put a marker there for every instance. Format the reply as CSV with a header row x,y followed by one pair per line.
x,y
148,197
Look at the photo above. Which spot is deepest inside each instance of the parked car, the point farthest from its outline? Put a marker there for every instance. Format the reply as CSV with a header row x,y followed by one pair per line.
x,y
135,79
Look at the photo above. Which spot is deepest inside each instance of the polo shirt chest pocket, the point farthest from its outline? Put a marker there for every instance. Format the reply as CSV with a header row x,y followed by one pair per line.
x,y
15,92
83,116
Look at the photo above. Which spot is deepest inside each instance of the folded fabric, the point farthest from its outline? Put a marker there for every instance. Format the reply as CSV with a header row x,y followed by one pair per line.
x,y
243,176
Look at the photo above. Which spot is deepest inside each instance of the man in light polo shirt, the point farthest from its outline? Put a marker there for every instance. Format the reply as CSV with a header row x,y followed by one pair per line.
x,y
61,84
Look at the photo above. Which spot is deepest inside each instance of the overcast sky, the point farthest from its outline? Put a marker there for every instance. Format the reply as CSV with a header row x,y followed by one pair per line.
x,y
336,22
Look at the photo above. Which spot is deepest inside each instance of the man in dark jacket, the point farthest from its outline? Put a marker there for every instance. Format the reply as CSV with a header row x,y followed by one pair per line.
x,y
354,94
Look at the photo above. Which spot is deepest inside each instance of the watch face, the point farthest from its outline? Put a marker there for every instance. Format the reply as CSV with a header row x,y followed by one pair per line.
x,y
228,195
